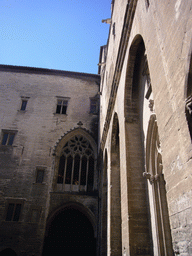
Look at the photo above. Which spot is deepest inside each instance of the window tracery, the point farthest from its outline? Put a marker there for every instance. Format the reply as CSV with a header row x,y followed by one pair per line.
x,y
157,191
76,165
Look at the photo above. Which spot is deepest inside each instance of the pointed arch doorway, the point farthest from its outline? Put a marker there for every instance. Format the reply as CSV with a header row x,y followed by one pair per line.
x,y
70,232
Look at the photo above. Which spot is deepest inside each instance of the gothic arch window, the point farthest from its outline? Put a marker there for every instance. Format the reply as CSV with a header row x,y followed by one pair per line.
x,y
76,165
157,192
137,89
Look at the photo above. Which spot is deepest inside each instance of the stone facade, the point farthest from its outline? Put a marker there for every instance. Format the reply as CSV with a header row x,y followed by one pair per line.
x,y
30,165
145,126
126,175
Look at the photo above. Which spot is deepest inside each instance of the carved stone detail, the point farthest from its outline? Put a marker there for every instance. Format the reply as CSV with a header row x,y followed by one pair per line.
x,y
189,104
151,105
150,177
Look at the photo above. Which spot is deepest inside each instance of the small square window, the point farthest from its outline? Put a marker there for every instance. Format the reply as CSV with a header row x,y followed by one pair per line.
x,y
40,175
7,138
62,106
93,106
13,212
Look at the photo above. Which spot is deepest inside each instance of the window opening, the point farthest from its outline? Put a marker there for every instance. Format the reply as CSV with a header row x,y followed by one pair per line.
x,y
62,106
13,212
91,172
40,175
69,170
157,198
93,106
23,105
76,170
7,138
61,169
83,170
77,163
146,73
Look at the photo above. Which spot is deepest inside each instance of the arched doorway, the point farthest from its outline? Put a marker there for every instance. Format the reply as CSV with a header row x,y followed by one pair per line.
x,y
8,252
69,233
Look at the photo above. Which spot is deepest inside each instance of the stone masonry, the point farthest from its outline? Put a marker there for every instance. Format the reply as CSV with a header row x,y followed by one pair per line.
x,y
38,131
114,147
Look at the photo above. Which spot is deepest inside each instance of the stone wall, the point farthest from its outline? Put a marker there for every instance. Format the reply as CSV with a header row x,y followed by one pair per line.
x,y
164,27
38,130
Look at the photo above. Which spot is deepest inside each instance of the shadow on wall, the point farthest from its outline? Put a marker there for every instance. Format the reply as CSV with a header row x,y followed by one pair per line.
x,y
70,233
8,252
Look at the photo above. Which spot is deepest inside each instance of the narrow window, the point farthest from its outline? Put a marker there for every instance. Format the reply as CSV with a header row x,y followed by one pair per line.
x,y
83,170
24,101
69,170
13,212
157,196
90,173
76,170
62,106
23,105
39,175
93,106
7,138
61,170
146,73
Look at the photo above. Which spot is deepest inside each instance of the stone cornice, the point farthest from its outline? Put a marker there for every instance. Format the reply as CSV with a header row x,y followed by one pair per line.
x,y
46,71
128,20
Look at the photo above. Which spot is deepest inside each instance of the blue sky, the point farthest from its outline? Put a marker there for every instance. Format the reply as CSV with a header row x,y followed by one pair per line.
x,y
56,34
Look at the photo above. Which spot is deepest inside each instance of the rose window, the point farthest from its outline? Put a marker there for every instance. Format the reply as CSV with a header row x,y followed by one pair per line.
x,y
76,166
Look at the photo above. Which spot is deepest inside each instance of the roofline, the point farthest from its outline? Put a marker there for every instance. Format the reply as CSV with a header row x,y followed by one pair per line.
x,y
45,71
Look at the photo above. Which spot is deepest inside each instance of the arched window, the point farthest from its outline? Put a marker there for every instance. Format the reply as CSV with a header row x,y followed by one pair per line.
x,y
157,192
76,165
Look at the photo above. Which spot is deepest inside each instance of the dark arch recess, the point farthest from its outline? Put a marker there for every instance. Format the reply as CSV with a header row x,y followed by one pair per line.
x,y
115,199
133,66
8,252
188,92
140,239
69,232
